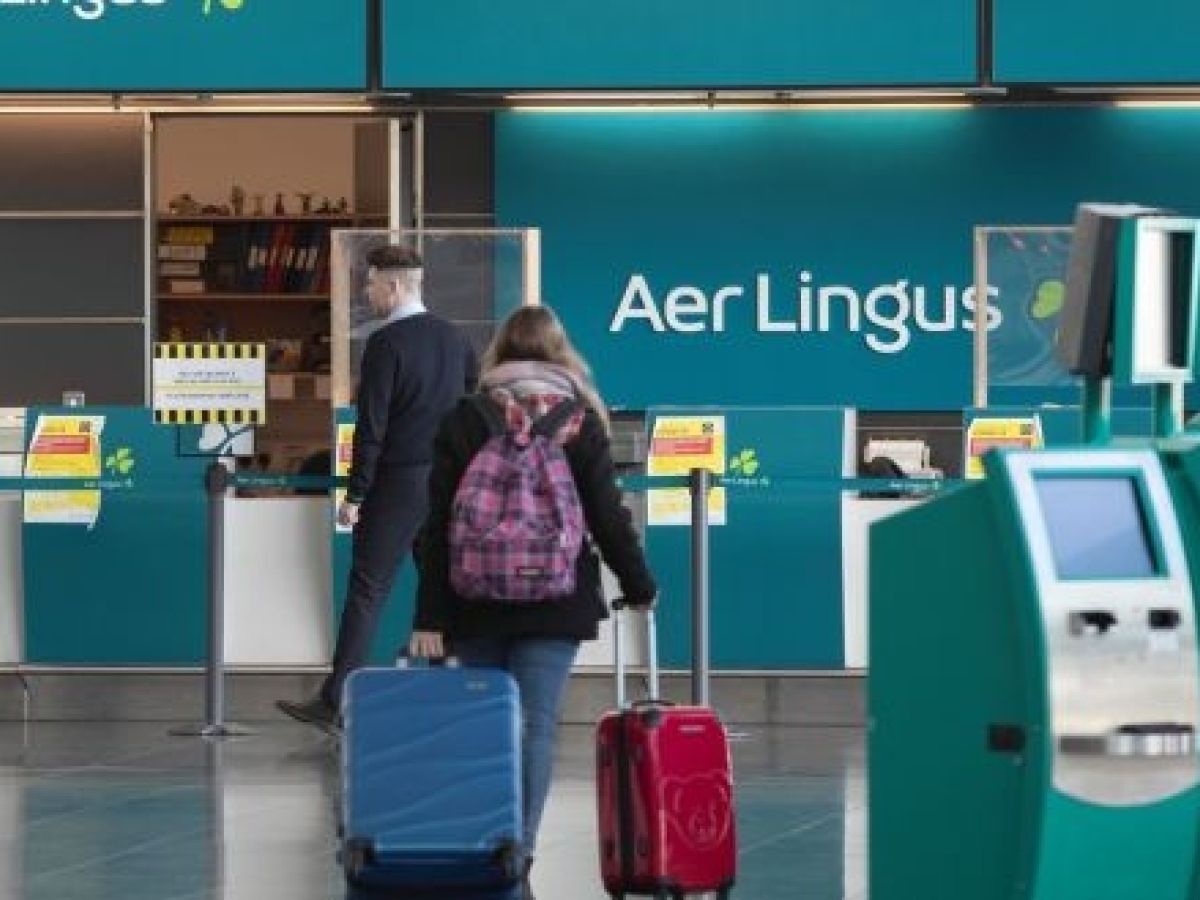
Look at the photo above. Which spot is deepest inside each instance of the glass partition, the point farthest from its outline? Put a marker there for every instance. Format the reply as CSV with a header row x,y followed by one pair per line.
x,y
1023,270
473,277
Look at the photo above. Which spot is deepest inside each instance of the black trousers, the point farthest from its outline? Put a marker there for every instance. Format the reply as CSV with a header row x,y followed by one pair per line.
x,y
388,521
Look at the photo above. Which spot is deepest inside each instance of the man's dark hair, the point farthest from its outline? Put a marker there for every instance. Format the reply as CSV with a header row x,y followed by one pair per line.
x,y
392,257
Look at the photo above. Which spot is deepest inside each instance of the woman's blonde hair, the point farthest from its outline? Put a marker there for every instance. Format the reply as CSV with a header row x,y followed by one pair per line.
x,y
534,333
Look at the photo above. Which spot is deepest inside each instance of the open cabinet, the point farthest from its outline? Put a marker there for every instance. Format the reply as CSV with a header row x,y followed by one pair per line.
x,y
245,207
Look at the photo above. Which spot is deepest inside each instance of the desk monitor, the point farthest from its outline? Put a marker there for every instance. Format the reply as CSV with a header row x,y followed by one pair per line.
x,y
1156,301
1084,340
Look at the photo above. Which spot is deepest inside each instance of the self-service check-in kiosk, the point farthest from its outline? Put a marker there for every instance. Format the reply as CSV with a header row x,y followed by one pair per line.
x,y
1034,681
1034,687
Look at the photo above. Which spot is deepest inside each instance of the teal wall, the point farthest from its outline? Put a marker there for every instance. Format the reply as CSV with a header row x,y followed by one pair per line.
x,y
677,43
176,45
859,200
1096,41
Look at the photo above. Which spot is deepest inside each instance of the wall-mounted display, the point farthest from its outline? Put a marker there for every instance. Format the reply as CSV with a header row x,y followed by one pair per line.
x,y
699,44
1096,42
182,45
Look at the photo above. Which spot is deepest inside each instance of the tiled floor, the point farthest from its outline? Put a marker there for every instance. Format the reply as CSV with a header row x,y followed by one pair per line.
x,y
123,811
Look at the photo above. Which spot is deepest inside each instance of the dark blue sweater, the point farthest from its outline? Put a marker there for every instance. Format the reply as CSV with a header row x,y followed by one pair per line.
x,y
413,372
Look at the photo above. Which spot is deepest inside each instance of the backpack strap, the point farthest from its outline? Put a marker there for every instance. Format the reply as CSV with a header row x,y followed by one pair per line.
x,y
547,426
491,414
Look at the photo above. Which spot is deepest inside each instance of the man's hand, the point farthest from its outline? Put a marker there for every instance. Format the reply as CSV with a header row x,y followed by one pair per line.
x,y
348,514
426,645
642,603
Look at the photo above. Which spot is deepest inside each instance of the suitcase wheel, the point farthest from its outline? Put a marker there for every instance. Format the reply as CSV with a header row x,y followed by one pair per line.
x,y
356,856
510,860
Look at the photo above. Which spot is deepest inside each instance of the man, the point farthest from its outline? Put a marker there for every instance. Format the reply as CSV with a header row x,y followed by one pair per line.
x,y
414,369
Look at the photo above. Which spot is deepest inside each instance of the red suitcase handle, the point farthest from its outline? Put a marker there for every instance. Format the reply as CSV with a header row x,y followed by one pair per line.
x,y
619,665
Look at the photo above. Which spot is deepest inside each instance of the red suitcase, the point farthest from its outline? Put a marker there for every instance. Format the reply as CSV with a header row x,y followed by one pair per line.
x,y
665,794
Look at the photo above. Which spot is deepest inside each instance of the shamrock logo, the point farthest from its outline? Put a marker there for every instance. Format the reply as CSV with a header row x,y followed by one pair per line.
x,y
230,5
744,463
1048,301
121,462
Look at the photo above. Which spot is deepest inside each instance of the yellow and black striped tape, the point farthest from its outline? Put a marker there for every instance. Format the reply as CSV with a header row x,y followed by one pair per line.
x,y
210,351
209,417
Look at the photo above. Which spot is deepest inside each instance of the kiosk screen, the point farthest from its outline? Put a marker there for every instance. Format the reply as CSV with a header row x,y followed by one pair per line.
x,y
1097,527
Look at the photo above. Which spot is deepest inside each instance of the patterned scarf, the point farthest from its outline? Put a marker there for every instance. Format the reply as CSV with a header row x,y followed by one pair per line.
x,y
526,390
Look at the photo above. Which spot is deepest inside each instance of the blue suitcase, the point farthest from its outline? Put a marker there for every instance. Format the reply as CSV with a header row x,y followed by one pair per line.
x,y
431,768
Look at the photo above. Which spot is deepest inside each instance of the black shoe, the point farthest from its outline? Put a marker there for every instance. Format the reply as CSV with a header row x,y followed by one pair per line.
x,y
526,885
313,712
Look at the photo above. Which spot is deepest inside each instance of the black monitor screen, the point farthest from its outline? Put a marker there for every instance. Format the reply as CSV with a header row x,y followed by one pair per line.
x,y
1097,527
1183,248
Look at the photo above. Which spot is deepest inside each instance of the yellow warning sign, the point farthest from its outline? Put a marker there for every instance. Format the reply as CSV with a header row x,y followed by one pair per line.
x,y
679,444
673,506
987,433
207,384
344,450
64,447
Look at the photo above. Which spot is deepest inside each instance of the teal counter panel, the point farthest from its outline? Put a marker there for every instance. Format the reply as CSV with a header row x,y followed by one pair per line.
x,y
776,566
1096,42
183,45
131,590
538,44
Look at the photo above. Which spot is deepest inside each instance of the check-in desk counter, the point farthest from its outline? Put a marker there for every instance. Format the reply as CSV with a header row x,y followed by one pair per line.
x,y
131,592
858,515
129,587
277,589
277,586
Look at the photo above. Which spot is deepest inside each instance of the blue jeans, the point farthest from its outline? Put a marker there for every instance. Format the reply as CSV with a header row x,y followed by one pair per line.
x,y
540,666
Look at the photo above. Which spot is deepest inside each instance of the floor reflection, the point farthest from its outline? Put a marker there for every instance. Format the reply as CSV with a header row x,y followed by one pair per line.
x,y
122,810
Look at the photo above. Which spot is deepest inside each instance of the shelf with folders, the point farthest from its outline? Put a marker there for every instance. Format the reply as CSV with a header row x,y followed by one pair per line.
x,y
211,257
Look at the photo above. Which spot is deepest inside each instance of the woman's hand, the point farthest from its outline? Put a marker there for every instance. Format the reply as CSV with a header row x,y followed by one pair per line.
x,y
426,645
347,514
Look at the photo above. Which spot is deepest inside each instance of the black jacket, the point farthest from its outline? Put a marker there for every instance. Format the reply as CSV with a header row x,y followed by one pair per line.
x,y
463,432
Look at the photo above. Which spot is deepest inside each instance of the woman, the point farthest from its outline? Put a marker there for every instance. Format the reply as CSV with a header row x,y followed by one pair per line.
x,y
529,368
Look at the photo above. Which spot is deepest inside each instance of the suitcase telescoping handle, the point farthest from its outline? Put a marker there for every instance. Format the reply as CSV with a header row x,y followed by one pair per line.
x,y
652,687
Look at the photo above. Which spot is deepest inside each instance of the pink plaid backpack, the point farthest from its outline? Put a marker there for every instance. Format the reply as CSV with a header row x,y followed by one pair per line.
x,y
516,524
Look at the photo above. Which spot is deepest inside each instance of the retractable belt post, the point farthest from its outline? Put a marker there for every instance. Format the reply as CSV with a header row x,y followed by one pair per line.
x,y
217,481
